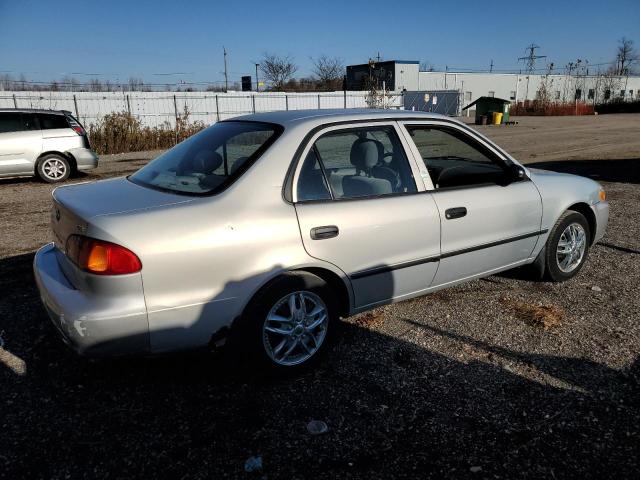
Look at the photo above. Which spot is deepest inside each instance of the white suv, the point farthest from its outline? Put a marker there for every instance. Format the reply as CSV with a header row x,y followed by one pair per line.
x,y
48,143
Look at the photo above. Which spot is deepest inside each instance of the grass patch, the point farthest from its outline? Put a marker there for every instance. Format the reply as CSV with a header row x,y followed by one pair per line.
x,y
369,319
547,317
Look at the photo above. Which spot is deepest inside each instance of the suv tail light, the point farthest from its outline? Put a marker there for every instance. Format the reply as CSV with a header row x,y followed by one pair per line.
x,y
78,129
75,125
100,257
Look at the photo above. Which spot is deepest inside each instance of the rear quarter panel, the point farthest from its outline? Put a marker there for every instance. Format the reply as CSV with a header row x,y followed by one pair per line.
x,y
60,140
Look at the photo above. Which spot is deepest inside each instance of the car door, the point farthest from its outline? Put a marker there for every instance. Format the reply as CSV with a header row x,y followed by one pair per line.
x,y
490,218
20,143
360,208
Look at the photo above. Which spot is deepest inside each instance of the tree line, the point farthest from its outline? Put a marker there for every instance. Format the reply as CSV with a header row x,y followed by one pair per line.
x,y
278,73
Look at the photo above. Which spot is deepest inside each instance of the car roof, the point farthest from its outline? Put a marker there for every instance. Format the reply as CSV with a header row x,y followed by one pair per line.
x,y
319,117
34,110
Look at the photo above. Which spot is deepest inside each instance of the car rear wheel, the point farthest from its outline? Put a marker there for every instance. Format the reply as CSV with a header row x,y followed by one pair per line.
x,y
286,326
53,168
567,247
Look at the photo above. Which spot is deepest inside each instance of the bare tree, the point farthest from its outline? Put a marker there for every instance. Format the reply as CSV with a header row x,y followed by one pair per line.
x,y
543,94
135,84
95,85
329,71
626,56
610,82
277,70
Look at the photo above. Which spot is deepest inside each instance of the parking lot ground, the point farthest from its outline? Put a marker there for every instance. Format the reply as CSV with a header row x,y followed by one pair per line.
x,y
498,378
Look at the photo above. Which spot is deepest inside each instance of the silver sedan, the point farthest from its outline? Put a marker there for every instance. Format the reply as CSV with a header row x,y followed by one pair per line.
x,y
261,231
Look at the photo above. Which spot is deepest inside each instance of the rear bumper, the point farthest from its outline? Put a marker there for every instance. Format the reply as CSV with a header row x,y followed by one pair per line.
x,y
85,159
91,324
601,211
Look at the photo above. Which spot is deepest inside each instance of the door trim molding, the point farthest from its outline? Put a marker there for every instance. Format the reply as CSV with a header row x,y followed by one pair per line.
x,y
436,258
492,244
390,268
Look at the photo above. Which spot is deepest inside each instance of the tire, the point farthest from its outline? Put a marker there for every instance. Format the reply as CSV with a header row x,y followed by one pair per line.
x,y
53,168
570,234
261,340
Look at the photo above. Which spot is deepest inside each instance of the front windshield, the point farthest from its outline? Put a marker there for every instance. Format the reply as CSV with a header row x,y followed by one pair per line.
x,y
208,161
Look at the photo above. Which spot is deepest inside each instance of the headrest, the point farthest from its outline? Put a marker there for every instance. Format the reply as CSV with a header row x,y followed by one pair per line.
x,y
206,161
366,153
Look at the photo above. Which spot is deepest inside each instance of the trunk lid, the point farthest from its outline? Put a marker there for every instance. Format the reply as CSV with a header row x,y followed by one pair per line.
x,y
75,205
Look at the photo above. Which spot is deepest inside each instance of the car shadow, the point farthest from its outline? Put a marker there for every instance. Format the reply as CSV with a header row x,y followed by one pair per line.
x,y
615,170
393,407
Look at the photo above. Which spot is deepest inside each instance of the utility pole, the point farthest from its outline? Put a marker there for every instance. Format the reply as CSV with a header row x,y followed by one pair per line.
x,y
226,78
257,82
530,59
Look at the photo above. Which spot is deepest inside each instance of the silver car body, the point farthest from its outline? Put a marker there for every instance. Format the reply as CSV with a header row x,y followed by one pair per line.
x,y
21,150
204,258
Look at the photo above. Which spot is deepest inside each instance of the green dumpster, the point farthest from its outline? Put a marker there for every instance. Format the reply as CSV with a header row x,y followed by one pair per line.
x,y
485,106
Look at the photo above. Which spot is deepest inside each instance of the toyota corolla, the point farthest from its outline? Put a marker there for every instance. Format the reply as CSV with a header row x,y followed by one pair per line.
x,y
265,229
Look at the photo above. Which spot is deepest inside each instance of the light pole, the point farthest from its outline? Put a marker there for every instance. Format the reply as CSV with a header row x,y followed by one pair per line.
x,y
257,83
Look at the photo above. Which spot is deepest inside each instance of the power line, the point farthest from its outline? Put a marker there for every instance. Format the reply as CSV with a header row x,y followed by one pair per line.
x,y
531,58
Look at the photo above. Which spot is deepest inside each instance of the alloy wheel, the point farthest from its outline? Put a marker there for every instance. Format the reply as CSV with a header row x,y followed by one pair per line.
x,y
571,247
54,168
295,328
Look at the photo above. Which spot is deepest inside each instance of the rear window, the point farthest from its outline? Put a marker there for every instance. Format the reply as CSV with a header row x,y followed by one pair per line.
x,y
50,121
10,122
210,160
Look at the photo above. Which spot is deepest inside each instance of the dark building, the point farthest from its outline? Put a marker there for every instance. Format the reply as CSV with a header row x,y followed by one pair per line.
x,y
361,77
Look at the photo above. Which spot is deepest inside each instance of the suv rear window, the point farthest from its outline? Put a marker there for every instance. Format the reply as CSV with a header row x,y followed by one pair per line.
x,y
10,122
210,160
50,121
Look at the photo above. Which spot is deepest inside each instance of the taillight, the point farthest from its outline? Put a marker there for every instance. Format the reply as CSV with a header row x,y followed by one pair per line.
x,y
78,129
75,125
100,257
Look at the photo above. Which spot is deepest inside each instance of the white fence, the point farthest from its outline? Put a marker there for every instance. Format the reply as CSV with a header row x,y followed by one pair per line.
x,y
155,108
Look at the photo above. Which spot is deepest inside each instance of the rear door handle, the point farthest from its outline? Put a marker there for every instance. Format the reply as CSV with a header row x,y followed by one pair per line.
x,y
457,212
322,233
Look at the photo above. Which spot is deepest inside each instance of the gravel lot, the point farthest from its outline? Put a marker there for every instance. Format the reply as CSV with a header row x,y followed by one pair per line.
x,y
498,378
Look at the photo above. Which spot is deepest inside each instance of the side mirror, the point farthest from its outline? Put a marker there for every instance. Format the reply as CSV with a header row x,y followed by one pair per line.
x,y
516,173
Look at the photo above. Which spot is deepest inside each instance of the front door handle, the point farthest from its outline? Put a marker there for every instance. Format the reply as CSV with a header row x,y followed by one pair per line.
x,y
457,212
322,233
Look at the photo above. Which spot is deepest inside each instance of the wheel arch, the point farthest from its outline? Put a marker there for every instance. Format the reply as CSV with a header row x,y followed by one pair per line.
x,y
585,209
336,283
70,158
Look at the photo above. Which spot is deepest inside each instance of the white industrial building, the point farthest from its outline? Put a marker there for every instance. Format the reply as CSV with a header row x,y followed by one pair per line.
x,y
520,87
406,75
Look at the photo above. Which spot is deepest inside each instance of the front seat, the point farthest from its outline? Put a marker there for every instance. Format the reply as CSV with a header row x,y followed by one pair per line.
x,y
365,155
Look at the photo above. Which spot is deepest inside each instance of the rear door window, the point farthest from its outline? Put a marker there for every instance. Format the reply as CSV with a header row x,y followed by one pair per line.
x,y
50,121
30,121
10,122
355,163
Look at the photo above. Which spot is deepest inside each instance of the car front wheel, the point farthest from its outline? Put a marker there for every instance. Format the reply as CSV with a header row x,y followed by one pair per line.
x,y
567,247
